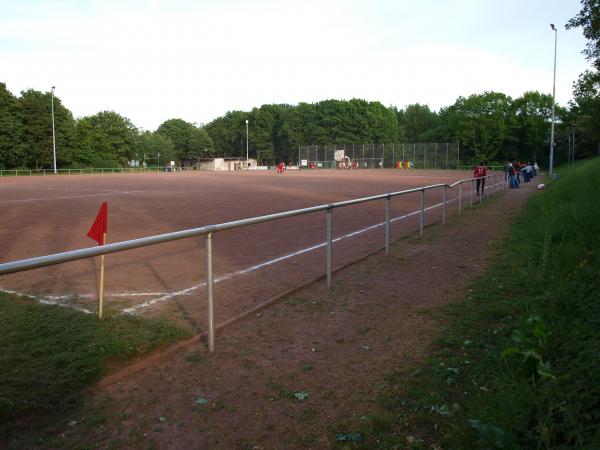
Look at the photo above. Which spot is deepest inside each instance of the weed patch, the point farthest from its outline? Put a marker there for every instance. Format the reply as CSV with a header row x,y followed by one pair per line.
x,y
517,363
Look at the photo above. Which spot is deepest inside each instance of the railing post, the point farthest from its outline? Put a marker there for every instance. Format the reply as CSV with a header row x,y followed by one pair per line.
x,y
422,214
209,294
481,191
329,244
444,207
388,202
472,189
459,198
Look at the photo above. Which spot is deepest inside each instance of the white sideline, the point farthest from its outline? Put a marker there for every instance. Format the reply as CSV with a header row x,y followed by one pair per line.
x,y
51,300
55,300
71,196
136,308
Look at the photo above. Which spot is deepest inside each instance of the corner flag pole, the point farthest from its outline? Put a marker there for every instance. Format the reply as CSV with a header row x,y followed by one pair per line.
x,y
98,233
101,293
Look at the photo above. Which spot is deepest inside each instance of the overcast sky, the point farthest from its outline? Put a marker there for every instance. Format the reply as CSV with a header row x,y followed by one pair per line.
x,y
155,60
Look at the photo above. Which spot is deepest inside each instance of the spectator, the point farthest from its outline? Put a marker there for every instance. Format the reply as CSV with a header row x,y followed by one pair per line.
x,y
513,182
528,172
506,170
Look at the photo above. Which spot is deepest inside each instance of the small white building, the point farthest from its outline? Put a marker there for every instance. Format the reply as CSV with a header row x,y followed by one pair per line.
x,y
222,164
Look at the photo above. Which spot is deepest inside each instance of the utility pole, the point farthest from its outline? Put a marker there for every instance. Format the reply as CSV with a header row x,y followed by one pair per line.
x,y
53,133
551,160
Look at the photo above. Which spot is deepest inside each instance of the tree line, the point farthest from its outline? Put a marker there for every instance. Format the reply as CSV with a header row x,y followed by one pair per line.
x,y
491,126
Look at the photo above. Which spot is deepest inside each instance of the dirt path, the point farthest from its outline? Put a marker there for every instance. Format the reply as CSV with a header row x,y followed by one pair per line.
x,y
335,345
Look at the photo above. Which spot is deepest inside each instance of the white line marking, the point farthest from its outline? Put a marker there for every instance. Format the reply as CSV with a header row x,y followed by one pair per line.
x,y
51,300
71,196
135,294
139,306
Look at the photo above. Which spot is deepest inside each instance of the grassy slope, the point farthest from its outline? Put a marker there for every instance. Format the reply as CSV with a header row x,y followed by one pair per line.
x,y
519,362
50,354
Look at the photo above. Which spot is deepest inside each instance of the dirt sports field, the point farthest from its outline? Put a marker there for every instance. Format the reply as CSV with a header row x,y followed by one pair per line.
x,y
43,215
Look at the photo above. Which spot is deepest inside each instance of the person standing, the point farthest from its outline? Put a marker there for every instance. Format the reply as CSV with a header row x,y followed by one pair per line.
x,y
479,174
513,177
506,171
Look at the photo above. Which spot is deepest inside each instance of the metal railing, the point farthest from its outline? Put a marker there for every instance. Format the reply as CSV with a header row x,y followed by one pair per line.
x,y
209,230
91,170
471,166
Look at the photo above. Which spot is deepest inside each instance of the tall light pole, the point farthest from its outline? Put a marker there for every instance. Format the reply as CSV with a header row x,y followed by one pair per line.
x,y
551,161
247,144
53,133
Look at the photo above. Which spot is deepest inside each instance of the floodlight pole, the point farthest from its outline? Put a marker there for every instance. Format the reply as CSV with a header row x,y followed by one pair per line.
x,y
551,161
53,133
247,166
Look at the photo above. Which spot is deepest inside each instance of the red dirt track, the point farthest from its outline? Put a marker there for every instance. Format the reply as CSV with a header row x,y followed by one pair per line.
x,y
44,215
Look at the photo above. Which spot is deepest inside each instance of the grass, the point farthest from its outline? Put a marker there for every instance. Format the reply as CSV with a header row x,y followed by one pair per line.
x,y
518,361
51,354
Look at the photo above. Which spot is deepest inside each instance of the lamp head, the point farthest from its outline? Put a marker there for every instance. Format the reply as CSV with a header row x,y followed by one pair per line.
x,y
552,26
246,121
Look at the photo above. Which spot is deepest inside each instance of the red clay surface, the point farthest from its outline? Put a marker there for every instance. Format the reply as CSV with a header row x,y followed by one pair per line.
x,y
44,215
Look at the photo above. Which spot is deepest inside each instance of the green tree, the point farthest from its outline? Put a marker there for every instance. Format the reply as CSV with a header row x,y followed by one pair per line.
x,y
199,144
149,145
585,107
11,149
36,112
480,123
190,141
589,20
533,112
228,134
418,122
106,139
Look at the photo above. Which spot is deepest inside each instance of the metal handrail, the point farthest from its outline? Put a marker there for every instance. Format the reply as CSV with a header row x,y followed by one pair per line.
x,y
75,255
209,230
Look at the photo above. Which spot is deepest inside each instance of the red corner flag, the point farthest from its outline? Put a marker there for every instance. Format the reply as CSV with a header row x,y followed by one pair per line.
x,y
100,225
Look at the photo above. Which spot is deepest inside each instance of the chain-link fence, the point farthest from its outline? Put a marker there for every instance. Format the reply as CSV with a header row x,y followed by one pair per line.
x,y
376,156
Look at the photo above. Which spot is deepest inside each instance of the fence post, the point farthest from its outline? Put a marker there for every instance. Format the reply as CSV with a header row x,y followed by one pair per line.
x,y
388,202
472,189
446,156
481,193
459,198
422,214
444,207
209,294
329,244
